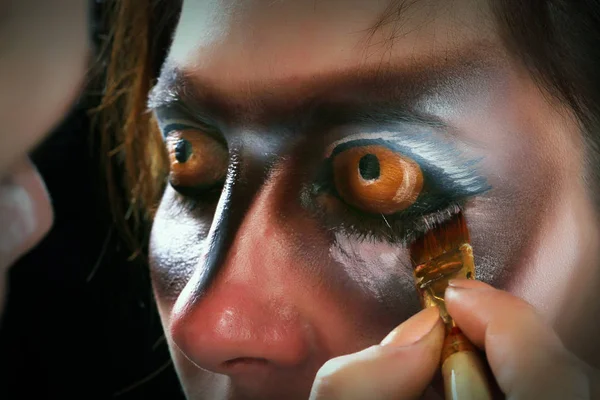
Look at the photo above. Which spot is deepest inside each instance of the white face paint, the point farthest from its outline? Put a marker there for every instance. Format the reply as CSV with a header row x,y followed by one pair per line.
x,y
202,23
373,264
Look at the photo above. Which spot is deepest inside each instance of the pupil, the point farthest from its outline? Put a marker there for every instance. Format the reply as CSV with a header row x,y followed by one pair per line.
x,y
183,150
368,166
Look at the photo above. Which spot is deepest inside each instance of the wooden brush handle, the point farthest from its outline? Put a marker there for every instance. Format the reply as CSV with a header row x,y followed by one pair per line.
x,y
465,377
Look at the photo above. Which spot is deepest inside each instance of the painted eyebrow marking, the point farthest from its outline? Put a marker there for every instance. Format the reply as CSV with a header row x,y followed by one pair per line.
x,y
364,136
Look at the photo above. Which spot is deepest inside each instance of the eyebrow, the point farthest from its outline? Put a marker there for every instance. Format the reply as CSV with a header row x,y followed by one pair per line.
x,y
363,94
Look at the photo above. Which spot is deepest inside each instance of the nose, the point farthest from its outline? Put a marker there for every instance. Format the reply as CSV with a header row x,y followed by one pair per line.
x,y
247,320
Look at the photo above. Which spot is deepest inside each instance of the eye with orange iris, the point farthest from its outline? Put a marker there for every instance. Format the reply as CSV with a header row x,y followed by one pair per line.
x,y
376,179
198,161
391,187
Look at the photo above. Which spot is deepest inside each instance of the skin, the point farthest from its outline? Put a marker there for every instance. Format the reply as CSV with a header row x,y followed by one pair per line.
x,y
43,53
256,292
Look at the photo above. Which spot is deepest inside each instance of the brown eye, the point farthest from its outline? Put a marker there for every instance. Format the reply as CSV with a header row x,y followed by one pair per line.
x,y
377,180
197,160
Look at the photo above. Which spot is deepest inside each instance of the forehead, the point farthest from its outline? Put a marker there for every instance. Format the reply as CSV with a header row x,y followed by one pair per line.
x,y
234,42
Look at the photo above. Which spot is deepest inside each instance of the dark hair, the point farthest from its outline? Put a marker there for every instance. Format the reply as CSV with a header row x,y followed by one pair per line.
x,y
557,40
133,40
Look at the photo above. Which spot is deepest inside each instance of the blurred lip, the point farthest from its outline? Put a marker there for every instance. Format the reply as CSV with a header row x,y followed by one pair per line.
x,y
25,211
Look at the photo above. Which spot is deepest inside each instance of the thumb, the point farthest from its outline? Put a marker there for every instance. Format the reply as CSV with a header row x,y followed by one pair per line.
x,y
400,367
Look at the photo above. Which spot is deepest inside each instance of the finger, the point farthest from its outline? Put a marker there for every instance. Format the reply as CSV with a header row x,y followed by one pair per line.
x,y
401,367
526,356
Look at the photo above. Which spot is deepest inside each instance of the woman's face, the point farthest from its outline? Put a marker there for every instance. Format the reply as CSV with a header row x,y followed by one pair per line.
x,y
267,260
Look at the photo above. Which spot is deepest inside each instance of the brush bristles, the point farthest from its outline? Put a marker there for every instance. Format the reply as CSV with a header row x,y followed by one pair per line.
x,y
445,237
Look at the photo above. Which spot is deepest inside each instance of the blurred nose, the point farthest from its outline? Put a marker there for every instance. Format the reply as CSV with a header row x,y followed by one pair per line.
x,y
247,320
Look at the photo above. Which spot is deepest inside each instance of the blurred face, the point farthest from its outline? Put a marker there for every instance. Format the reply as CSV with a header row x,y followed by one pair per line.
x,y
43,55
310,142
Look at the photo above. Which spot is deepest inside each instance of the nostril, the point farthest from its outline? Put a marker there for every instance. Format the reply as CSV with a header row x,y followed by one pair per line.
x,y
245,361
245,365
234,331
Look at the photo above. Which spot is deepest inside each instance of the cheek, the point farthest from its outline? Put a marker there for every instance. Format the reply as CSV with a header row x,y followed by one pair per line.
x,y
381,271
282,253
522,141
176,245
366,277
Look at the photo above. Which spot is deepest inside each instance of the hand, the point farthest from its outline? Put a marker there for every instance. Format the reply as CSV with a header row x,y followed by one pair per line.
x,y
400,367
526,356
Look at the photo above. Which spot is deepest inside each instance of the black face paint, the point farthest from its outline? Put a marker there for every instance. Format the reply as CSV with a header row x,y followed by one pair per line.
x,y
246,175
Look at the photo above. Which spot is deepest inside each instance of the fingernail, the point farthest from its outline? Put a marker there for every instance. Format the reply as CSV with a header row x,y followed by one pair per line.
x,y
17,217
468,284
413,329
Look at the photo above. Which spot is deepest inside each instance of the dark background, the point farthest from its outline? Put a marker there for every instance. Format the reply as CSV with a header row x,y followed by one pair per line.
x,y
80,321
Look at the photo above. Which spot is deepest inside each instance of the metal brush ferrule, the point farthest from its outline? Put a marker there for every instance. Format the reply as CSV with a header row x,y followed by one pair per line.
x,y
462,367
432,277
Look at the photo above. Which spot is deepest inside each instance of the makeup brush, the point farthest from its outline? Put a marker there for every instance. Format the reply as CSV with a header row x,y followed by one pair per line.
x,y
442,254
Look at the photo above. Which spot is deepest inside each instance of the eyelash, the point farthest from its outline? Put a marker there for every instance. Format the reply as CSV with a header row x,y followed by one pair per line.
x,y
400,228
390,229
